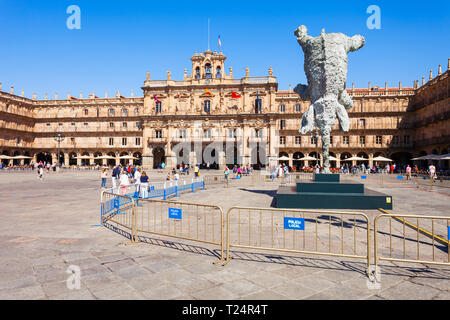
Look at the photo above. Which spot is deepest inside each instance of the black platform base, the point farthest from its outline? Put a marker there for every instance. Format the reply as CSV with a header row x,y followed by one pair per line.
x,y
326,192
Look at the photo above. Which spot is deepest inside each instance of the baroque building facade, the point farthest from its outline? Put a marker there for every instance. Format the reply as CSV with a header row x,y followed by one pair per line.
x,y
214,119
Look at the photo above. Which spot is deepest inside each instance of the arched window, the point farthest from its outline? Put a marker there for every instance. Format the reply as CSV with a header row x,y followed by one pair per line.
x,y
158,107
86,112
111,112
197,73
208,71
125,112
207,106
218,73
136,111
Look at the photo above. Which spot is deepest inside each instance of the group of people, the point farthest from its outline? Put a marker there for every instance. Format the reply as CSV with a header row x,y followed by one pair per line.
x,y
125,176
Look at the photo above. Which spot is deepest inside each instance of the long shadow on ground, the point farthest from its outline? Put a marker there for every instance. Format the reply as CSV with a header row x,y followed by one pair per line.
x,y
360,267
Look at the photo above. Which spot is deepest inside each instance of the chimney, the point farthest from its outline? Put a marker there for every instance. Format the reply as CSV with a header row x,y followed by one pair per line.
x,y
231,72
385,86
81,95
1,83
12,90
45,96
247,72
370,85
132,93
23,93
34,96
423,80
431,74
400,85
440,70
56,95
106,94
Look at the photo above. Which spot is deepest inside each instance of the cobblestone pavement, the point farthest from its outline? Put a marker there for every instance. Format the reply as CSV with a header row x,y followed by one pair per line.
x,y
49,225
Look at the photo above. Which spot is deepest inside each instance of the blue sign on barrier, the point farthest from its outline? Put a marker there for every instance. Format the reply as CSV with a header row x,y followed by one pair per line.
x,y
174,213
116,203
448,233
294,223
363,177
400,177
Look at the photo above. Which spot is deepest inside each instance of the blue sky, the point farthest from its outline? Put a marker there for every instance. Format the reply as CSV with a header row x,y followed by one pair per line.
x,y
119,41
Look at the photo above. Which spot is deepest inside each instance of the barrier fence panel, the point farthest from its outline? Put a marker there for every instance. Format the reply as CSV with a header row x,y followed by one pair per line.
x,y
183,220
411,238
319,232
118,209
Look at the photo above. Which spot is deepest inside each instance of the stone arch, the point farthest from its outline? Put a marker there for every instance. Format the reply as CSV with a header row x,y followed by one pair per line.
x,y
159,156
138,155
72,160
98,161
298,163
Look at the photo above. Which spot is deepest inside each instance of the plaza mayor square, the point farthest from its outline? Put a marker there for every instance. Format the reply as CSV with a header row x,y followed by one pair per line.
x,y
156,151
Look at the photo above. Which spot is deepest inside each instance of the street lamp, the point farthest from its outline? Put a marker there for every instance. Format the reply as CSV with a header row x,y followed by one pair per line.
x,y
59,138
315,133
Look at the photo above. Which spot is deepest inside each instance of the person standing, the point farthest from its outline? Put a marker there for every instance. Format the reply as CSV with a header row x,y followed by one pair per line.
x,y
124,182
104,176
113,177
432,171
196,171
137,181
144,185
408,172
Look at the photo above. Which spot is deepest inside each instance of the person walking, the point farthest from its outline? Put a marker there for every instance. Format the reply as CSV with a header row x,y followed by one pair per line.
x,y
40,172
143,185
226,172
104,176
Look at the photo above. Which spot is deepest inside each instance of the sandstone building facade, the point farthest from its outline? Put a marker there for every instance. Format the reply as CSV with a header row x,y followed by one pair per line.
x,y
212,118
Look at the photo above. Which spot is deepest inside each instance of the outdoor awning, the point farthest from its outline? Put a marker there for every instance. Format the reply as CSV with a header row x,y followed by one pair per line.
x,y
355,158
379,158
428,157
128,157
283,158
307,158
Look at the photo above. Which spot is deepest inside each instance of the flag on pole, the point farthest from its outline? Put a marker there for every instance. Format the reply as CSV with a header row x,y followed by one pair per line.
x,y
235,95
220,43
154,97
208,92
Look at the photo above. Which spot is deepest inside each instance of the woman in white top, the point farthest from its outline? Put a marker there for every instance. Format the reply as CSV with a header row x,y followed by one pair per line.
x,y
124,182
137,179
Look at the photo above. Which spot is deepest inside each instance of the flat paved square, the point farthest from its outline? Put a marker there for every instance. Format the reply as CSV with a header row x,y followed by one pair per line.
x,y
50,225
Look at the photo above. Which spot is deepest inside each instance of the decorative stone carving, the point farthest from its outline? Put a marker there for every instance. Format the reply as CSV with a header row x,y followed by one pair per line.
x,y
326,65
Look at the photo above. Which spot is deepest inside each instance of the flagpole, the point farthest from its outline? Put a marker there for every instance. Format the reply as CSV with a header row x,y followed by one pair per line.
x,y
208,33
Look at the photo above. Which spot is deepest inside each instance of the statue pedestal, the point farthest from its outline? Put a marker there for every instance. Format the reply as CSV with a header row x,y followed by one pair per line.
x,y
327,192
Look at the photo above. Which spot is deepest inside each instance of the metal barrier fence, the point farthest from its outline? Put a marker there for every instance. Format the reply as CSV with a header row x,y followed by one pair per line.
x,y
412,239
317,232
118,209
402,238
182,220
